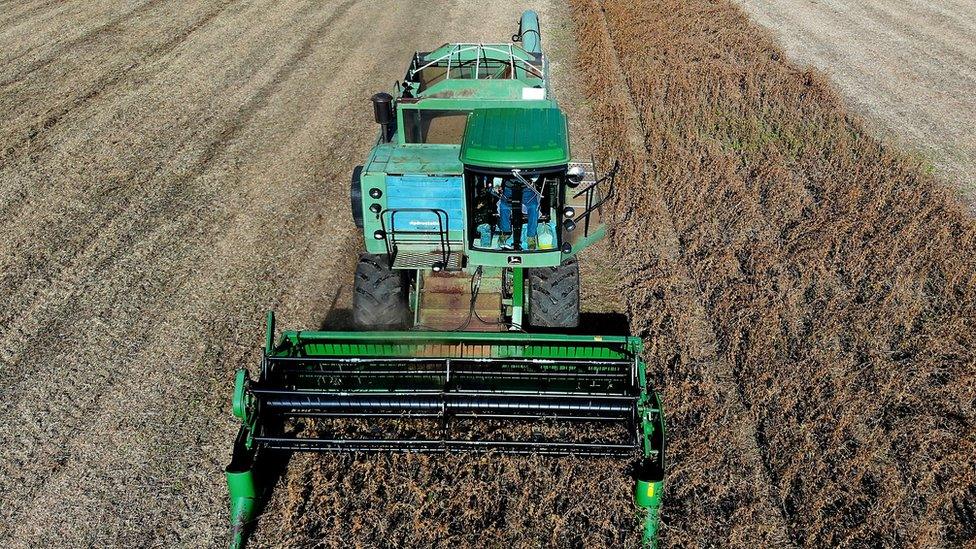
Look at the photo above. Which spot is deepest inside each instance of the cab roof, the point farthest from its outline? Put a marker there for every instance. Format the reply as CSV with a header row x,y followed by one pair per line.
x,y
515,138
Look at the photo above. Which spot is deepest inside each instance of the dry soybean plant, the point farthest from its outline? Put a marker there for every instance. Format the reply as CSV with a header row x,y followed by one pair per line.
x,y
838,279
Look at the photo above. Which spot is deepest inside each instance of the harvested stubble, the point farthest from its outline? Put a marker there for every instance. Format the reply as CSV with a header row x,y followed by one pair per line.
x,y
838,280
468,429
429,500
418,500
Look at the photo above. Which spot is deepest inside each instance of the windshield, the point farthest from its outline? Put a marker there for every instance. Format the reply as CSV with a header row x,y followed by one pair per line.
x,y
514,209
434,126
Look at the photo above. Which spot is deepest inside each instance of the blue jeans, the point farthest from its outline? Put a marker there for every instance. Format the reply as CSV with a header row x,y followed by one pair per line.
x,y
531,202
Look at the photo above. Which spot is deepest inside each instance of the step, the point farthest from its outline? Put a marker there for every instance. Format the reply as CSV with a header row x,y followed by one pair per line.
x,y
490,301
445,301
425,256
459,283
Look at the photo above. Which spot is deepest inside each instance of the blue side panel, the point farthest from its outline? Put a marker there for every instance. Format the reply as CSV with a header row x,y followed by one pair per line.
x,y
421,191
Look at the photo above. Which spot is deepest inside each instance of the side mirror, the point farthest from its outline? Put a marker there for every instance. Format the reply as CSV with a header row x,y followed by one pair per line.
x,y
574,176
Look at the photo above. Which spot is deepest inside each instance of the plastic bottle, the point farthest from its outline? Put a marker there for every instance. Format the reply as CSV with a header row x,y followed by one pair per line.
x,y
546,237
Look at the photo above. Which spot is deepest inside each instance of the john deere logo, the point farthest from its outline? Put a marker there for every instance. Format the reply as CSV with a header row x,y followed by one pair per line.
x,y
514,260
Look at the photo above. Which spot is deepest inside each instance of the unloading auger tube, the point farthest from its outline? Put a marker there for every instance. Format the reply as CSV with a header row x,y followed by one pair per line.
x,y
446,378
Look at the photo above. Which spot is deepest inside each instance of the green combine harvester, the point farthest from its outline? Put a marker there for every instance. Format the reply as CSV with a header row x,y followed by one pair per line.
x,y
473,213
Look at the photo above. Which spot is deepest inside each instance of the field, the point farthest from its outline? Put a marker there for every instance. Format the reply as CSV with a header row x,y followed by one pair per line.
x,y
906,65
806,293
834,282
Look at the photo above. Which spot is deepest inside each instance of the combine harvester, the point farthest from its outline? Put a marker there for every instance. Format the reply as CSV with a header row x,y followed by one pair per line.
x,y
472,212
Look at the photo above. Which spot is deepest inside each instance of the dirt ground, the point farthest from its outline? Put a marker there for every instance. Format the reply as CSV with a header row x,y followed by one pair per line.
x,y
907,66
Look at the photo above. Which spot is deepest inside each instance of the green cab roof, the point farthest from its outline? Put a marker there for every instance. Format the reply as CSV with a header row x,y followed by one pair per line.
x,y
515,138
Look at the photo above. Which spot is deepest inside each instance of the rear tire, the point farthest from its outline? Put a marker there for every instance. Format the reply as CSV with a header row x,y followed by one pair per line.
x,y
554,296
380,298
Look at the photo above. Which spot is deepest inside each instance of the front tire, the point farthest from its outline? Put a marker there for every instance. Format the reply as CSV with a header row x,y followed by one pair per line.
x,y
380,298
554,295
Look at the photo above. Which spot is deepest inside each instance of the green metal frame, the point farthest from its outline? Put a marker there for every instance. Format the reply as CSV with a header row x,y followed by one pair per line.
x,y
649,488
244,481
244,495
519,297
497,105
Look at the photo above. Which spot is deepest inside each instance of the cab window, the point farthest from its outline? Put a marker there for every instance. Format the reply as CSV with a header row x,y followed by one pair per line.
x,y
444,127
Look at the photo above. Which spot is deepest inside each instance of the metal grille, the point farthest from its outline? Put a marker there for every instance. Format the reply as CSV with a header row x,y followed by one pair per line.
x,y
439,446
589,169
442,390
407,258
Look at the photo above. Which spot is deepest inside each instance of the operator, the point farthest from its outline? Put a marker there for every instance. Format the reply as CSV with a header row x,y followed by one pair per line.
x,y
518,185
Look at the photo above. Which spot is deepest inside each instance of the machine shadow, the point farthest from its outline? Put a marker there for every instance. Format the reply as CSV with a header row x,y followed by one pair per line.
x,y
338,319
605,324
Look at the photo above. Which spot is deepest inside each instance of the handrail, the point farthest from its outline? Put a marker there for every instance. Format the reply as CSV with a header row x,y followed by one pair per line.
x,y
477,61
458,49
591,189
443,226
511,55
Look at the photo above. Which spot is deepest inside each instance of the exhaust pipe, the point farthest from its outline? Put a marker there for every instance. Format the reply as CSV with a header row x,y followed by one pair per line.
x,y
383,114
